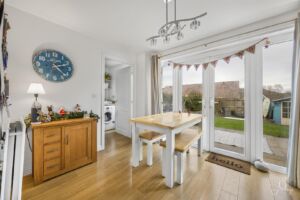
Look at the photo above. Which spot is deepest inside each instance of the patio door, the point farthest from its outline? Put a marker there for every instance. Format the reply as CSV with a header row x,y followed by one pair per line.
x,y
226,104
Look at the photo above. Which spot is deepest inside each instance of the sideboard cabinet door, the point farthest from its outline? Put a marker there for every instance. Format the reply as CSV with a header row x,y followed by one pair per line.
x,y
78,145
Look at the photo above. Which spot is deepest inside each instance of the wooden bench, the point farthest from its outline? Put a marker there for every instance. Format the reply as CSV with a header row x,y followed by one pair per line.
x,y
183,142
149,137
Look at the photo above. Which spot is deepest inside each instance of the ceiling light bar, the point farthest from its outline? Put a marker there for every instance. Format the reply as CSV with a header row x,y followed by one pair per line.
x,y
174,27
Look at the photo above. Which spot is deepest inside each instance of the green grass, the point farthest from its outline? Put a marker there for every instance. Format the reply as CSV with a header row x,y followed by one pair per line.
x,y
270,128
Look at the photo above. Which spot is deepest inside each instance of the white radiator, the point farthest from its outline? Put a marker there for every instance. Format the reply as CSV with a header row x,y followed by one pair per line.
x,y
13,161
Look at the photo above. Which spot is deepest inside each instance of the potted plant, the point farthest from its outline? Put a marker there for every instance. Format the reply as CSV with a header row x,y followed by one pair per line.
x,y
107,77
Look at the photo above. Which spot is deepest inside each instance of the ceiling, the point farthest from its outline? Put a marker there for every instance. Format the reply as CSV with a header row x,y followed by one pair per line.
x,y
128,23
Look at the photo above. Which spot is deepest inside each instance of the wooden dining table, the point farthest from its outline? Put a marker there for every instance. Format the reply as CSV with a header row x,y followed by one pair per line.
x,y
166,123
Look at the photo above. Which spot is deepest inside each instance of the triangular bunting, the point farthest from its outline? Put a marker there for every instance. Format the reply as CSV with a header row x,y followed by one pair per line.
x,y
214,63
251,49
188,67
240,54
267,43
227,59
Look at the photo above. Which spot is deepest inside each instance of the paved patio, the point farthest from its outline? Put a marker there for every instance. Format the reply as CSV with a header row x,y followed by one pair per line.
x,y
279,148
274,148
236,138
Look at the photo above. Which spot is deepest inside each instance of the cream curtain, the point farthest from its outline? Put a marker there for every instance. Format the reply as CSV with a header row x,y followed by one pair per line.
x,y
294,139
155,85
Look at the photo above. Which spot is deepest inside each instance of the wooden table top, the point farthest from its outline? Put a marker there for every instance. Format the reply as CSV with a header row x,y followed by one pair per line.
x,y
167,120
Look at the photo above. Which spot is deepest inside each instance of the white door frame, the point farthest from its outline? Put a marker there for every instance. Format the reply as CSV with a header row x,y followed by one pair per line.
x,y
177,89
253,100
101,139
210,104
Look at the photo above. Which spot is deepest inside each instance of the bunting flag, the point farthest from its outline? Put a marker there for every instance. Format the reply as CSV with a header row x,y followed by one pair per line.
x,y
205,65
175,65
267,43
188,67
251,49
214,63
240,54
227,59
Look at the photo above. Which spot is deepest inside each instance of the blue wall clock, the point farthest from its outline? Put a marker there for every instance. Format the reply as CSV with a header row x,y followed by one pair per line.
x,y
52,65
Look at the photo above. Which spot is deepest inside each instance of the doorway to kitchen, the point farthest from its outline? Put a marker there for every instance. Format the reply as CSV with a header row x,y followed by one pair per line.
x,y
117,98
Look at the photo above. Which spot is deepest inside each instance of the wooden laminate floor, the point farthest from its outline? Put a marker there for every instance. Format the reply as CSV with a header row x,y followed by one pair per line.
x,y
112,177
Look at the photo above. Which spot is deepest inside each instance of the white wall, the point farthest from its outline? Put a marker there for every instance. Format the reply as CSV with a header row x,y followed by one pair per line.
x,y
143,97
28,34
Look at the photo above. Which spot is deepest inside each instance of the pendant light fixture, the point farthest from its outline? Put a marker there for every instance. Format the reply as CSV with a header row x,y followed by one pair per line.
x,y
174,27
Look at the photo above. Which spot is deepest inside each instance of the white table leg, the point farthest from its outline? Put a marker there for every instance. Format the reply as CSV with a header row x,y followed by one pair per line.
x,y
141,150
199,147
149,154
180,169
163,162
169,170
135,146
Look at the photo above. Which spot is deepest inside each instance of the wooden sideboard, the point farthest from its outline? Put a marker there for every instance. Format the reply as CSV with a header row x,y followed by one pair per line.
x,y
62,146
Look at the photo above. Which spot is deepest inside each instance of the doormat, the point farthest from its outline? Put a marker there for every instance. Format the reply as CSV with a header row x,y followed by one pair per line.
x,y
231,163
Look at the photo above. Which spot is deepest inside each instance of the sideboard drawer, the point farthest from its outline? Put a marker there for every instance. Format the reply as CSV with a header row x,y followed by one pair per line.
x,y
52,166
52,135
52,151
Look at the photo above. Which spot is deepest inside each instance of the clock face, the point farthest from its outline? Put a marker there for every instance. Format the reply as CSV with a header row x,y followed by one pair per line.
x,y
52,65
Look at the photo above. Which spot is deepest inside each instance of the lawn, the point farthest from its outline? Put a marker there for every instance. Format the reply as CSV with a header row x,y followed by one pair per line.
x,y
269,127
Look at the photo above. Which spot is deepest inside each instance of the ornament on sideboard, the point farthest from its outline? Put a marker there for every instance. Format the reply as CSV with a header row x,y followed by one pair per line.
x,y
77,108
50,110
43,117
62,111
93,115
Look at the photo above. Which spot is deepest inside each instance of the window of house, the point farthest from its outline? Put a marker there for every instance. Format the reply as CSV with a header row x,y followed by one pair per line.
x,y
286,108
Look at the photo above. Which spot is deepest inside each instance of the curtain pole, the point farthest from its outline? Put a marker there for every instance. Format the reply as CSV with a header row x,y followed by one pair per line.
x,y
226,38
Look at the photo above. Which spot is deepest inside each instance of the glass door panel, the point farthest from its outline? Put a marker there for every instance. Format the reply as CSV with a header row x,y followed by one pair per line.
x,y
192,91
229,104
277,76
167,88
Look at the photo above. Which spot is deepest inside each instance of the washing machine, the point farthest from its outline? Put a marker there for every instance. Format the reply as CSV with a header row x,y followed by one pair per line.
x,y
109,115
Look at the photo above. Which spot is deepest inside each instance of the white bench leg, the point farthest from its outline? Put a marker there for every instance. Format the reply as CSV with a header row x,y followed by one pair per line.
x,y
149,154
199,147
163,162
141,150
179,177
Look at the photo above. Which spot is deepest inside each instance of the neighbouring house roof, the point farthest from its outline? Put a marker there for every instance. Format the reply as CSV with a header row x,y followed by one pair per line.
x,y
283,99
228,89
275,95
